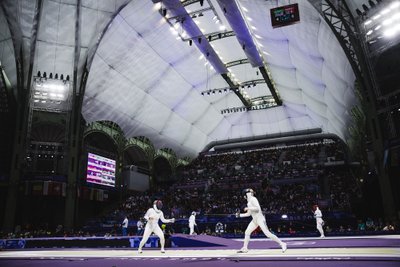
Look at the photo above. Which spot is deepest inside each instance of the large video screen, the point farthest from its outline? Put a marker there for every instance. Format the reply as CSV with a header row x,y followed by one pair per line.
x,y
285,15
100,170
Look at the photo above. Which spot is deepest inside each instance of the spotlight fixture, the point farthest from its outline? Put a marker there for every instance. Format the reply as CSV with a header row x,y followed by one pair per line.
x,y
380,23
190,42
50,93
199,40
371,3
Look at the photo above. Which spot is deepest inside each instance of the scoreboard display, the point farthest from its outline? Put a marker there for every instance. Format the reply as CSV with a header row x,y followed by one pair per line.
x,y
285,15
100,170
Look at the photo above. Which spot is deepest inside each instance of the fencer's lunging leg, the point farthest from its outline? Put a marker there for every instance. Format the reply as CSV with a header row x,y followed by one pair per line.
x,y
146,235
250,228
270,235
160,234
264,228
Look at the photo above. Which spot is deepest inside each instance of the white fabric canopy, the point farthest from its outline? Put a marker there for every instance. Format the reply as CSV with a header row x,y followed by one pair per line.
x,y
146,79
150,83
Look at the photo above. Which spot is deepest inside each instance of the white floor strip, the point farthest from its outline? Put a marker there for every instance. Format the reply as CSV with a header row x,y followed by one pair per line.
x,y
220,253
326,238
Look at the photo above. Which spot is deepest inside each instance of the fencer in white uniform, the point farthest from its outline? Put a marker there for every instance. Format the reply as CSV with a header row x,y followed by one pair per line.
x,y
253,209
192,223
319,220
152,216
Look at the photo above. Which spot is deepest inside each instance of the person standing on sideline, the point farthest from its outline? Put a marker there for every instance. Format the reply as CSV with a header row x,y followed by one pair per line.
x,y
192,223
152,216
318,218
219,229
140,226
124,226
253,209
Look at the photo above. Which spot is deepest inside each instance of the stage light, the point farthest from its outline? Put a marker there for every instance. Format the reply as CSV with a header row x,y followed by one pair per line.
x,y
371,3
376,17
383,23
367,22
390,32
50,94
395,5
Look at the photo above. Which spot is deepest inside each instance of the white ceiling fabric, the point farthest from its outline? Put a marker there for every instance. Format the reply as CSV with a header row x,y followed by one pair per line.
x,y
149,82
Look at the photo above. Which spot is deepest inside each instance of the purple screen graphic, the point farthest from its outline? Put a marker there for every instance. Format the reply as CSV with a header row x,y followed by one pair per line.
x,y
100,170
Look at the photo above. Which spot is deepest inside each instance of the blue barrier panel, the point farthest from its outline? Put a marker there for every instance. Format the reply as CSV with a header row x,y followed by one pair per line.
x,y
12,243
152,242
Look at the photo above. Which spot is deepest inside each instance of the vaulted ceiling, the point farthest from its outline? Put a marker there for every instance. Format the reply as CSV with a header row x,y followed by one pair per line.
x,y
186,73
